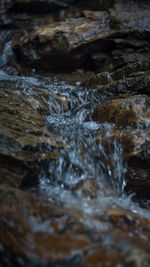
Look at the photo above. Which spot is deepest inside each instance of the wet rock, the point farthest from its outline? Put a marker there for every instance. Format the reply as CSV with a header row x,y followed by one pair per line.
x,y
86,232
26,143
97,256
5,22
92,42
33,230
123,75
75,43
139,83
138,178
39,6
98,79
4,5
123,14
132,111
87,187
135,156
96,5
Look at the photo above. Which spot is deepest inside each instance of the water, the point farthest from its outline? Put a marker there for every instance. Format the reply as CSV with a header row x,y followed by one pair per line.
x,y
89,153
89,175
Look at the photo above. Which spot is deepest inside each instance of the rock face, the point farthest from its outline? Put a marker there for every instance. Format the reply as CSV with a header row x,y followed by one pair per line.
x,y
65,45
102,40
131,111
50,234
47,6
35,6
26,142
74,145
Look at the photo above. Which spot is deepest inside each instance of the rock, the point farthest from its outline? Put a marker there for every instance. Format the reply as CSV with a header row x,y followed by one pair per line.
x,y
75,43
121,15
131,111
134,158
130,116
138,84
5,22
26,143
46,6
138,177
128,75
87,187
34,6
88,223
98,79
92,42
33,231
4,5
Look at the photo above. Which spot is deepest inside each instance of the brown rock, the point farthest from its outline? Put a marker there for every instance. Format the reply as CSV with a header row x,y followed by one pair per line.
x,y
35,231
87,187
75,43
131,111
27,229
101,40
25,140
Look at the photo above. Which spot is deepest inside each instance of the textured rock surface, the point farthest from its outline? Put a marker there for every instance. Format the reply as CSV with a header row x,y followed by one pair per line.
x,y
131,111
102,40
75,146
65,45
26,142
56,236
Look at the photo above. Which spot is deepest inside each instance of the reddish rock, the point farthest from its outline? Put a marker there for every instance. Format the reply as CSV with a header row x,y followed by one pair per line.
x,y
27,229
131,111
102,257
87,187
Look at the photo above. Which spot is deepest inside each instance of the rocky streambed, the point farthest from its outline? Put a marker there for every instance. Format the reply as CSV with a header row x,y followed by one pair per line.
x,y
75,133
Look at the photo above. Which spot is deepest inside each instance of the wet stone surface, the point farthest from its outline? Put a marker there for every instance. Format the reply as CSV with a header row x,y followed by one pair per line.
x,y
75,133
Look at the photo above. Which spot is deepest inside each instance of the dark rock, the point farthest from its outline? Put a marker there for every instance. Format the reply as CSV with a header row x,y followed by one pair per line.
x,y
39,6
46,6
137,84
138,178
98,79
135,156
75,43
92,227
93,42
5,22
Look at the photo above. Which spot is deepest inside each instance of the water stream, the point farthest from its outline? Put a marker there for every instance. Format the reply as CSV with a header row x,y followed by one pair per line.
x,y
88,175
88,154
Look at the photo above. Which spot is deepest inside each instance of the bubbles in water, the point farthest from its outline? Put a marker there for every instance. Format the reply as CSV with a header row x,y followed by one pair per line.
x,y
91,153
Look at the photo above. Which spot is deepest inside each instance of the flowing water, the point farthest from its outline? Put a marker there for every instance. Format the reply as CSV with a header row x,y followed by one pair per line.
x,y
88,153
89,173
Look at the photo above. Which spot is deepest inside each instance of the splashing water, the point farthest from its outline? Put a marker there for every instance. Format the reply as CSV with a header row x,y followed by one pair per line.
x,y
89,152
